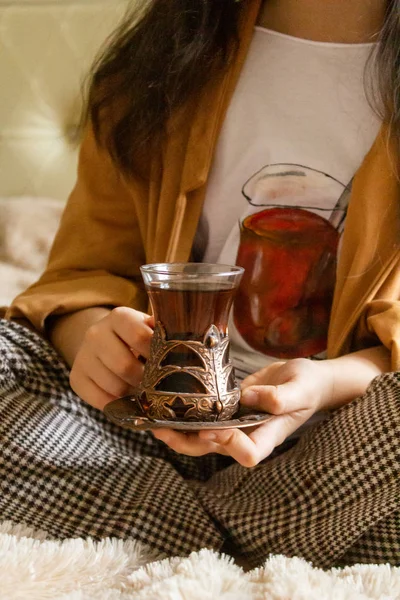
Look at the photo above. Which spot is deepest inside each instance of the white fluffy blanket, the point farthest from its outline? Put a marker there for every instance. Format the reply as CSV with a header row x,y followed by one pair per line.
x,y
27,229
34,568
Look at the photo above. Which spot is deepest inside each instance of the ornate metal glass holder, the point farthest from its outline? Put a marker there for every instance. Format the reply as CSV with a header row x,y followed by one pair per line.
x,y
188,376
214,394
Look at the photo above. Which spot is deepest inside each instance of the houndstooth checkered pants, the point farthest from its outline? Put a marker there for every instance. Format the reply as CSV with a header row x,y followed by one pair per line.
x,y
333,498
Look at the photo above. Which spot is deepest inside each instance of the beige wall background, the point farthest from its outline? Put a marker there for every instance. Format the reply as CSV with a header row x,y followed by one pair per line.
x,y
46,48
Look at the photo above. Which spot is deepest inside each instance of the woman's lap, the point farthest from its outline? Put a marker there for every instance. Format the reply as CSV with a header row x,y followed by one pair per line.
x,y
65,469
339,483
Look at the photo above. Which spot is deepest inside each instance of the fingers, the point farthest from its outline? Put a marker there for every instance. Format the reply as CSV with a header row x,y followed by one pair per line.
x,y
134,328
286,387
250,450
91,392
186,443
115,355
108,380
270,435
228,442
235,443
274,399
108,364
247,450
263,376
92,381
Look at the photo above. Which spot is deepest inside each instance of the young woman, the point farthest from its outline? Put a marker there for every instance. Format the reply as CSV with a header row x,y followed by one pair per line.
x,y
203,114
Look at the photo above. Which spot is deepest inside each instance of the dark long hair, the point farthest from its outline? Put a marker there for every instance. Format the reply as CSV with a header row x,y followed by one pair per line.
x,y
157,60
167,50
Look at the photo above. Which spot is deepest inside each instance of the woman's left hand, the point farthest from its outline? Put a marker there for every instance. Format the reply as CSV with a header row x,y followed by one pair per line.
x,y
291,391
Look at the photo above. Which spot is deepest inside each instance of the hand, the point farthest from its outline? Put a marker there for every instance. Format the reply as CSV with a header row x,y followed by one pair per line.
x,y
107,364
292,391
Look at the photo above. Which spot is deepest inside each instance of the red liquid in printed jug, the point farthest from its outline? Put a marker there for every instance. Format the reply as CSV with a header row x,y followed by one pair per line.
x,y
284,300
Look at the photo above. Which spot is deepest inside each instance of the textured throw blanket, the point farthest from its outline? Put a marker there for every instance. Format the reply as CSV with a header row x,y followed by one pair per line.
x,y
27,228
33,568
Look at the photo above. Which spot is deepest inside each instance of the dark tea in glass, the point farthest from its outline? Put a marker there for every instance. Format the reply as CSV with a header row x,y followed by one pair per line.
x,y
186,310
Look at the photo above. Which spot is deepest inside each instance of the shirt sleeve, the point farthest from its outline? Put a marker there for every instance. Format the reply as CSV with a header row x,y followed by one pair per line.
x,y
384,320
380,320
98,249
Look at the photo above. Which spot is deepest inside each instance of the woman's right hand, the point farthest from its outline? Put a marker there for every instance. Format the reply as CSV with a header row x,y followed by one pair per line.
x,y
108,363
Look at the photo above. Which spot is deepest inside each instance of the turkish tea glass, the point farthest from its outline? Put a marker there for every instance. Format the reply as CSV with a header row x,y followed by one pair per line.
x,y
189,376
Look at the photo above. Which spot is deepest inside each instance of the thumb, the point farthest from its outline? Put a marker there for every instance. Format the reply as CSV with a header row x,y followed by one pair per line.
x,y
274,399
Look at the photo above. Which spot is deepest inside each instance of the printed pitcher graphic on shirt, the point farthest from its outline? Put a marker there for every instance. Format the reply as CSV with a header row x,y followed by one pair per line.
x,y
289,252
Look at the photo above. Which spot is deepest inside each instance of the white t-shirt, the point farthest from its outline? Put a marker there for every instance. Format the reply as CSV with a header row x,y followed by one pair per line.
x,y
297,129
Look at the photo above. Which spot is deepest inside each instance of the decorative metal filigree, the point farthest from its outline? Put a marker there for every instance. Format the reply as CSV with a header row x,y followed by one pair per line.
x,y
202,393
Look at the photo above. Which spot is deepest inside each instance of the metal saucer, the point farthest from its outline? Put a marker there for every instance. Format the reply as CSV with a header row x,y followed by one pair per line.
x,y
127,412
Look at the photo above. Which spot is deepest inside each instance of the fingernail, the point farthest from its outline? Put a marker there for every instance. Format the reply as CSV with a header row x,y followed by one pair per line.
x,y
249,397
